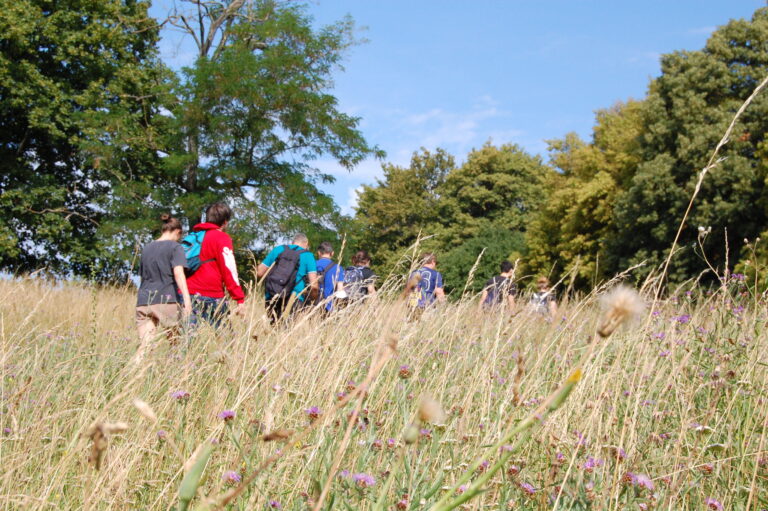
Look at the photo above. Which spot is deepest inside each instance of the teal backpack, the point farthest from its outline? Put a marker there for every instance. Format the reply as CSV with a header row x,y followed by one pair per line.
x,y
192,244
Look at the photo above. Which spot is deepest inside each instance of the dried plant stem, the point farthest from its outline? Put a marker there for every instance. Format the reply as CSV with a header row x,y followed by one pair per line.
x,y
711,164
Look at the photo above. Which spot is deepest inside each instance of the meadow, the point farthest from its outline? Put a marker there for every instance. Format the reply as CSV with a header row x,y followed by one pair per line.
x,y
365,410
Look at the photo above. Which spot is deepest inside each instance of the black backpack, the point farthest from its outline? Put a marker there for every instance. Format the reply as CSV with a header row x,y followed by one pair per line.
x,y
354,282
497,291
281,279
321,279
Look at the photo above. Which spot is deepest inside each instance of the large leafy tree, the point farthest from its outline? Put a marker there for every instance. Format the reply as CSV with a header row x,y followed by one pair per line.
x,y
79,84
499,187
391,215
254,111
689,108
572,229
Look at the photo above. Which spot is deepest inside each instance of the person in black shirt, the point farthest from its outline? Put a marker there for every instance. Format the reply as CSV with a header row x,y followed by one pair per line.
x,y
500,291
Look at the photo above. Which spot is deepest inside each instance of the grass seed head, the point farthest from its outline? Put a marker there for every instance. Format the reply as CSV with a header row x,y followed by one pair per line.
x,y
430,411
620,305
145,410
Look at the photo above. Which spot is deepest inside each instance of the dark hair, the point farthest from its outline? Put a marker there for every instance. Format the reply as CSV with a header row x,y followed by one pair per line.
x,y
170,223
506,266
361,257
428,257
218,213
325,248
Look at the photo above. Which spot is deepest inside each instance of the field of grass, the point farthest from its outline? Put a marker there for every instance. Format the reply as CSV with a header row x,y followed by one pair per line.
x,y
670,413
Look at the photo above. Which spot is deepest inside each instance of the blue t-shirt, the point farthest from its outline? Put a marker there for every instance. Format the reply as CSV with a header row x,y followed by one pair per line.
x,y
332,277
430,280
307,265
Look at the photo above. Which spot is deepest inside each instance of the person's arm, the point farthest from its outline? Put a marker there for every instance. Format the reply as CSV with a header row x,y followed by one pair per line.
x,y
225,259
261,270
181,282
482,299
552,307
439,293
511,301
314,288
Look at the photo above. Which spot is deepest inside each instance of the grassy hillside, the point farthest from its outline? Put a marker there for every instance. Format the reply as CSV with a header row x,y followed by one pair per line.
x,y
670,412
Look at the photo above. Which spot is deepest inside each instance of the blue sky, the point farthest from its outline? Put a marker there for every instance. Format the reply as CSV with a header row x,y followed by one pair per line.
x,y
454,74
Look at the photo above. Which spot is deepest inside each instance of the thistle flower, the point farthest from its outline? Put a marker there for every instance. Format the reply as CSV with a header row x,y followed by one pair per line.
x,y
231,477
713,504
405,372
162,435
180,395
364,480
621,304
273,504
226,415
313,412
528,489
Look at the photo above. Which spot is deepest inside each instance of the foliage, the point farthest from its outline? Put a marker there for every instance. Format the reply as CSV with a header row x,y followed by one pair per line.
x,y
391,215
495,242
77,108
254,111
573,226
688,109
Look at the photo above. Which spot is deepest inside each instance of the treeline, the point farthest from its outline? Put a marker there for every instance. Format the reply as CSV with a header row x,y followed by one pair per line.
x,y
98,137
602,206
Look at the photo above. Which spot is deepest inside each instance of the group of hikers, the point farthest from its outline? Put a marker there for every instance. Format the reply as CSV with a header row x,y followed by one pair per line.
x,y
188,278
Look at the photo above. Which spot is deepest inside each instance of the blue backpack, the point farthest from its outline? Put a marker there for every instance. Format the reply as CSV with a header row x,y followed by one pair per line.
x,y
192,244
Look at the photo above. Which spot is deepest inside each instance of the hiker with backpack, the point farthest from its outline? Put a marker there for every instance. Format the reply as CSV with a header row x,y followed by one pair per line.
x,y
428,283
543,299
359,279
162,273
211,259
292,278
500,290
330,276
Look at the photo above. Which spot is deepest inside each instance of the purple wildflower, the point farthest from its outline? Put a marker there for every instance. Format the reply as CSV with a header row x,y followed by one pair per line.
x,y
643,481
591,464
364,480
162,434
683,319
226,415
7,431
344,474
391,443
664,353
313,412
713,504
461,489
273,504
231,477
405,371
528,489
180,395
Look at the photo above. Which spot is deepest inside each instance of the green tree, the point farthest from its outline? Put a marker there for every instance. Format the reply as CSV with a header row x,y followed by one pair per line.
x,y
574,225
495,245
688,109
497,187
391,214
78,103
254,111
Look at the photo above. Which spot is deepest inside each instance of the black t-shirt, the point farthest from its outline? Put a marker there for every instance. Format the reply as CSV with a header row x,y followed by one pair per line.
x,y
157,262
499,288
357,279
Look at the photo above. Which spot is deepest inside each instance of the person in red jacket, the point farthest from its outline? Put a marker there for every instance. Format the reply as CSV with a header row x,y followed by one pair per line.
x,y
218,270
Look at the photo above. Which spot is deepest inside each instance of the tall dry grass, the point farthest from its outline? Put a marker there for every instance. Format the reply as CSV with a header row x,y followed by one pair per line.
x,y
679,398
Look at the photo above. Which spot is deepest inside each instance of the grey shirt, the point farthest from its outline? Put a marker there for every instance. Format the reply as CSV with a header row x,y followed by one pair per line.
x,y
157,262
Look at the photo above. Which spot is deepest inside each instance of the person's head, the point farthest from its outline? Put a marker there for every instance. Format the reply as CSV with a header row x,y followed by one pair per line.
x,y
361,258
542,283
218,213
325,249
429,260
171,226
506,267
301,240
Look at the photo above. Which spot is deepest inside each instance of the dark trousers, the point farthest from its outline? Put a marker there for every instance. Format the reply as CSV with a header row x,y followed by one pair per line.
x,y
210,310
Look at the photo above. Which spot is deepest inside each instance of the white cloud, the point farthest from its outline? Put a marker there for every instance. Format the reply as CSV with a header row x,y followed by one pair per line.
x,y
353,196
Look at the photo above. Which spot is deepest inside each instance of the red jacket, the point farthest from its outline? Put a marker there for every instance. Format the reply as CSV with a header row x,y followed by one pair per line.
x,y
211,278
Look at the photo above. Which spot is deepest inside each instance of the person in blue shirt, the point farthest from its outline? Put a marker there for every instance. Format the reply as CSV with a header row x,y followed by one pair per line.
x,y
291,279
430,282
330,275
